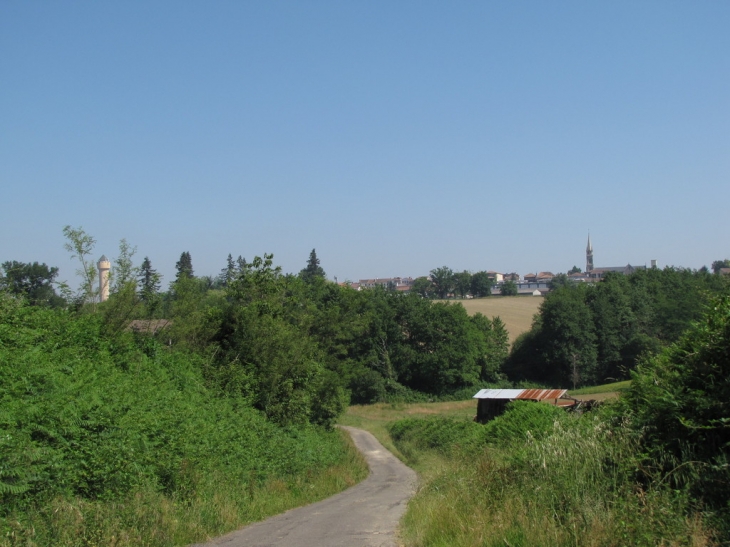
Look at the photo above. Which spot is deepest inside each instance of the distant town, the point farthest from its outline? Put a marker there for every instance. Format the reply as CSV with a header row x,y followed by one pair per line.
x,y
536,284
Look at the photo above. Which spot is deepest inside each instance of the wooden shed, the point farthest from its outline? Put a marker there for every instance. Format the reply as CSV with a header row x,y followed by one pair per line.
x,y
492,402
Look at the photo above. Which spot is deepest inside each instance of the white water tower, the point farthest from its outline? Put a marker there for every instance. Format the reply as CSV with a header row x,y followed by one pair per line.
x,y
104,266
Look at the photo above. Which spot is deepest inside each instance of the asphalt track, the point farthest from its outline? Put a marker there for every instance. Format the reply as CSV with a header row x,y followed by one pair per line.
x,y
365,515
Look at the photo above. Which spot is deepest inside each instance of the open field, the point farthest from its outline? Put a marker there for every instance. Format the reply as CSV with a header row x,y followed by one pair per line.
x,y
613,389
515,311
375,418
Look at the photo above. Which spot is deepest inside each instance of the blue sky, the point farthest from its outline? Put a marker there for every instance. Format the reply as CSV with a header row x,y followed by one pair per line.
x,y
393,137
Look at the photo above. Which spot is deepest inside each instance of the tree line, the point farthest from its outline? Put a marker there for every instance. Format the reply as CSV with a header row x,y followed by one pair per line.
x,y
589,334
290,340
444,282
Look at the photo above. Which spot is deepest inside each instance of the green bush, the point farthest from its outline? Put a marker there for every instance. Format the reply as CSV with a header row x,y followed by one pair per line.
x,y
88,417
680,403
438,433
523,419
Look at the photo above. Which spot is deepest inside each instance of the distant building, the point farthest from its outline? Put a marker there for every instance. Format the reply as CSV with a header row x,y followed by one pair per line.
x,y
401,284
589,255
592,273
496,277
598,273
542,277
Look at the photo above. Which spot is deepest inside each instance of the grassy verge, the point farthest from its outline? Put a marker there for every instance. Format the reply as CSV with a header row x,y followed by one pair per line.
x,y
149,517
537,477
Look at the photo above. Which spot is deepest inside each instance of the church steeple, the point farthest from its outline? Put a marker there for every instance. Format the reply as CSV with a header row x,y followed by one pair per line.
x,y
589,255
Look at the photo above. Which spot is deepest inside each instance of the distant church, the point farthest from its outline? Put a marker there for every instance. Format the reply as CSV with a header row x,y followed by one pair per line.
x,y
592,273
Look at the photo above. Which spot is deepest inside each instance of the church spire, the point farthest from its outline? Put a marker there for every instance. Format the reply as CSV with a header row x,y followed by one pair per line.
x,y
589,255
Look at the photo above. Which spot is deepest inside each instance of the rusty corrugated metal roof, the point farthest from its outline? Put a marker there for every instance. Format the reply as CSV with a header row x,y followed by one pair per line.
x,y
525,394
542,394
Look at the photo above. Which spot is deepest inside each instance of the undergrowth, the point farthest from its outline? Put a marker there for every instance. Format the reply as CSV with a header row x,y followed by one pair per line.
x,y
118,441
537,476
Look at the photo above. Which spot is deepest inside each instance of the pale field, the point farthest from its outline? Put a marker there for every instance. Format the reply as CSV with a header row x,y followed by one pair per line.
x,y
515,311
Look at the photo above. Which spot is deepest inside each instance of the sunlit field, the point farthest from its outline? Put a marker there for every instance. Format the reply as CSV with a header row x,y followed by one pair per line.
x,y
515,311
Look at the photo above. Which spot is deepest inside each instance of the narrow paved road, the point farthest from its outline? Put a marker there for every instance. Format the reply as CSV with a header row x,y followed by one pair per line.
x,y
365,515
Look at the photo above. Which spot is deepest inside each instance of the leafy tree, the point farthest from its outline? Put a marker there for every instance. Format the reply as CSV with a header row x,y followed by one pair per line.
x,y
717,265
508,288
313,269
574,269
195,313
494,346
569,349
440,348
525,361
32,281
679,402
184,266
263,335
631,317
560,280
481,284
443,281
124,271
462,283
367,386
422,286
80,245
615,326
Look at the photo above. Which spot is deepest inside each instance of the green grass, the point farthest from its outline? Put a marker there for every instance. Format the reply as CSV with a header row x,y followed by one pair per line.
x,y
149,517
541,477
376,418
605,388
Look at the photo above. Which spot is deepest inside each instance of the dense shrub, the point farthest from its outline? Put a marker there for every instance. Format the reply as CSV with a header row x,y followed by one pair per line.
x,y
680,403
439,433
89,417
524,419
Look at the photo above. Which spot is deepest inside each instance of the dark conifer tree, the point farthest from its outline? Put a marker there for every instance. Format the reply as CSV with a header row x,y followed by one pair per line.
x,y
313,269
149,281
184,266
229,272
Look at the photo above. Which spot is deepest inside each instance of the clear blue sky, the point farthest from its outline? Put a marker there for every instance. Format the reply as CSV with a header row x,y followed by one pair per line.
x,y
393,137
